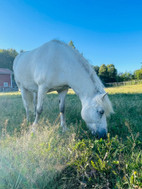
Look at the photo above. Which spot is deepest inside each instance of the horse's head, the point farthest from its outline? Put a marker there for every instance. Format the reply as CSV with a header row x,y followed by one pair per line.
x,y
94,113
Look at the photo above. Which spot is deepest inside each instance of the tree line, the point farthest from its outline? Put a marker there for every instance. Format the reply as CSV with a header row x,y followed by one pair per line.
x,y
7,57
107,73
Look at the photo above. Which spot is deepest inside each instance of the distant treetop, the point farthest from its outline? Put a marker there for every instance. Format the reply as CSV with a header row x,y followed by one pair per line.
x,y
71,44
7,57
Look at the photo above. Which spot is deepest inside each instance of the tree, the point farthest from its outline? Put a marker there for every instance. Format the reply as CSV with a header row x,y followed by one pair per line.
x,y
138,74
7,58
71,44
96,68
103,73
125,77
112,73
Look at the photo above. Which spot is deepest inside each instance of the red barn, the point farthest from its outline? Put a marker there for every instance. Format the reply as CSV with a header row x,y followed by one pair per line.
x,y
5,78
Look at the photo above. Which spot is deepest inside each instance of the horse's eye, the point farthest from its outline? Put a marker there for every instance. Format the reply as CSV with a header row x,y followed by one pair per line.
x,y
101,112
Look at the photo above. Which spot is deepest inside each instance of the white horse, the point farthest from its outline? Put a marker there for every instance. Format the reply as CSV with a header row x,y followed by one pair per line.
x,y
57,66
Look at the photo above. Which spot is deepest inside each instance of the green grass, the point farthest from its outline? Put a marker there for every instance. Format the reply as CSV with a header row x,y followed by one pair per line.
x,y
51,159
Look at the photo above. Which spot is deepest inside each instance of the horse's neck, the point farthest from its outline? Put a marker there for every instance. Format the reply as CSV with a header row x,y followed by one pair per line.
x,y
83,87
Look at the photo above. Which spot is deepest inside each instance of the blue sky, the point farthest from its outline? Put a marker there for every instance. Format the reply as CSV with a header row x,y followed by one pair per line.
x,y
105,31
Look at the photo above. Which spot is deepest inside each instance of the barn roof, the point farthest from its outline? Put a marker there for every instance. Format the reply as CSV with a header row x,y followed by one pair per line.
x,y
5,71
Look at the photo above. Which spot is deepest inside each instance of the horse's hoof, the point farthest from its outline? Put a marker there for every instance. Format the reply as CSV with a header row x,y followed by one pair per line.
x,y
33,128
65,129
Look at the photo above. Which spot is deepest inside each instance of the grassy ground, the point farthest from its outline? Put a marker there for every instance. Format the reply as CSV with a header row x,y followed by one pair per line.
x,y
51,159
127,89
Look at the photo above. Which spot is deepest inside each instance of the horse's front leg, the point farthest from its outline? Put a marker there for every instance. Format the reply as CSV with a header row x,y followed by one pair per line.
x,y
62,96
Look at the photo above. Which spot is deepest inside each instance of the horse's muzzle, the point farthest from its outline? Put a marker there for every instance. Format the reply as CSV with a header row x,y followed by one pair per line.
x,y
100,134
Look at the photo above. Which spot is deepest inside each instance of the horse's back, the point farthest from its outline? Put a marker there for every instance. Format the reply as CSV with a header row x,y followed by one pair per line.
x,y
46,64
53,64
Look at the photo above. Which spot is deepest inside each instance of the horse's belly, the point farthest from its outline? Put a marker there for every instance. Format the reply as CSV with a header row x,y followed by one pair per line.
x,y
32,87
59,88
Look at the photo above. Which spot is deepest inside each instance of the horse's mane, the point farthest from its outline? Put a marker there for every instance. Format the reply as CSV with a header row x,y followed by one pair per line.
x,y
92,74
99,87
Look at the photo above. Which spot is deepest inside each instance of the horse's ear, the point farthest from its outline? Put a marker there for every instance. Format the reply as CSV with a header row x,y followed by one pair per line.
x,y
103,96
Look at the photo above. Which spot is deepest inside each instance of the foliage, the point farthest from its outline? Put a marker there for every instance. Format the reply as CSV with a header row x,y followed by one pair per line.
x,y
7,57
112,73
125,77
102,164
103,73
106,73
138,74
51,159
96,68
71,44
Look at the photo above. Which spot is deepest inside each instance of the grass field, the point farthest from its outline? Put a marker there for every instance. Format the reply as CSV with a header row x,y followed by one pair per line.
x,y
127,89
50,159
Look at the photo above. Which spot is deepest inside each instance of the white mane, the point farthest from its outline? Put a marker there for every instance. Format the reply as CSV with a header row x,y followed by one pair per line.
x,y
99,87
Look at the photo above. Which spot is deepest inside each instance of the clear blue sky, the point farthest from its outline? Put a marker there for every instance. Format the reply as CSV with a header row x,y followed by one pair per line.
x,y
105,31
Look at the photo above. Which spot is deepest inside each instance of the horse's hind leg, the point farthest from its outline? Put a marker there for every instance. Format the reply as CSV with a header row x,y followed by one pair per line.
x,y
62,95
27,98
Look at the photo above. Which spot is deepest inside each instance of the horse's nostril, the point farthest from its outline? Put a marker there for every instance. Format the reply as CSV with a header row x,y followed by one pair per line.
x,y
93,132
102,134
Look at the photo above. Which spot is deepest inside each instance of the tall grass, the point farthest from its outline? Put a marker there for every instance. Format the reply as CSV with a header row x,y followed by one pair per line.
x,y
34,160
50,158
